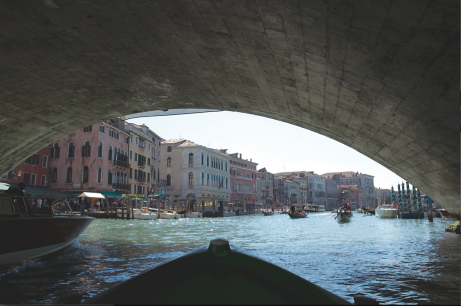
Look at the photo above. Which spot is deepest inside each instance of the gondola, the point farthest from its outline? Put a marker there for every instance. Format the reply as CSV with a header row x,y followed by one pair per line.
x,y
342,216
295,215
218,273
268,213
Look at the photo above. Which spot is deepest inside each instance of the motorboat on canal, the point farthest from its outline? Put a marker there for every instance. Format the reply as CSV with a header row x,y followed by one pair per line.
x,y
218,273
165,213
386,211
143,214
29,232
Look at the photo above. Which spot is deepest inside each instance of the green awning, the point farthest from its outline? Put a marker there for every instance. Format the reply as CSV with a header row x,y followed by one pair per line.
x,y
112,195
38,192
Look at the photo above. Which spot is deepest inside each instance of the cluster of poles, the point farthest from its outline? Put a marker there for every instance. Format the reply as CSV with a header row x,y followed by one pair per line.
x,y
405,205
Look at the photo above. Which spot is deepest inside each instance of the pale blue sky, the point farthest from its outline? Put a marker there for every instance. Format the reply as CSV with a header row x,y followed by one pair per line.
x,y
278,146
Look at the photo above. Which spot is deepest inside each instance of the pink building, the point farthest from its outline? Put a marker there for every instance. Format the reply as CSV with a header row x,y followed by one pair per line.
x,y
242,178
33,171
92,159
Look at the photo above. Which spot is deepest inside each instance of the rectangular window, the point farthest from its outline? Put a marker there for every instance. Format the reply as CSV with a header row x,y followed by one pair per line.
x,y
131,137
131,155
101,129
117,135
148,148
45,161
136,140
135,173
36,160
27,161
148,161
32,179
25,178
168,149
43,180
135,156
88,129
131,173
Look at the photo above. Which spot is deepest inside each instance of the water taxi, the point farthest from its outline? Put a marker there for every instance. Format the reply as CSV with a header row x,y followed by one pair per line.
x,y
30,232
386,211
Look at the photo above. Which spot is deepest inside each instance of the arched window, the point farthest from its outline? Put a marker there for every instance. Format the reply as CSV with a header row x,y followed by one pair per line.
x,y
203,178
55,150
126,178
202,159
86,149
85,175
70,150
110,153
119,178
207,160
54,175
226,183
226,166
69,175
221,166
191,179
100,150
208,180
99,175
114,177
109,177
168,180
168,162
191,158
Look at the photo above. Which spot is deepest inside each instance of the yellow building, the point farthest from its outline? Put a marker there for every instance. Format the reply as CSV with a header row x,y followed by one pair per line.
x,y
144,158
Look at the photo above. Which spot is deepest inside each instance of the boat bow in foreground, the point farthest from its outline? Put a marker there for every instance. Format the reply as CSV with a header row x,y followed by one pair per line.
x,y
219,273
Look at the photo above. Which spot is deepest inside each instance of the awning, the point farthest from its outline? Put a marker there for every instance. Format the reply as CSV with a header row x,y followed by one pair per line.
x,y
38,192
91,195
132,195
255,204
112,195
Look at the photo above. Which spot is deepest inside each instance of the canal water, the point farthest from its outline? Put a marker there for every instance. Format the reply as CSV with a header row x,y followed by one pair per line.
x,y
394,261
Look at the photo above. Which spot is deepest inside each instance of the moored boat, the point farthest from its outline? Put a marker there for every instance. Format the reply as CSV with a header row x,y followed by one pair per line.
x,y
143,214
386,211
165,213
27,234
193,214
216,266
268,213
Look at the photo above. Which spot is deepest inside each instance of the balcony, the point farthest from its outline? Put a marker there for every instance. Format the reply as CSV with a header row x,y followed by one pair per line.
x,y
122,164
141,165
141,180
244,191
122,186
243,178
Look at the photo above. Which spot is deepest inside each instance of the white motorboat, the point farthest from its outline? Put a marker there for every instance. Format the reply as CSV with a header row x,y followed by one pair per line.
x,y
166,213
386,211
229,213
144,214
193,214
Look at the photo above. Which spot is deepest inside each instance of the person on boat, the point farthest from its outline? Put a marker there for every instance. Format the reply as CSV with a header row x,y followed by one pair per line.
x,y
349,206
292,209
394,205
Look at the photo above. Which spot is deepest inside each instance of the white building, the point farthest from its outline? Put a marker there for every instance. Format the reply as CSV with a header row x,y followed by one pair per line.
x,y
193,171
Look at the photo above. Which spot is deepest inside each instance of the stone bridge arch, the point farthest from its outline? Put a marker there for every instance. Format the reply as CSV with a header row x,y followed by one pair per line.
x,y
379,76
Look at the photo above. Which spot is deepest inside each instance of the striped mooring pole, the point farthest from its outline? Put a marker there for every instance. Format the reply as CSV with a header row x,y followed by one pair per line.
x,y
408,197
420,204
415,208
400,199
393,194
404,198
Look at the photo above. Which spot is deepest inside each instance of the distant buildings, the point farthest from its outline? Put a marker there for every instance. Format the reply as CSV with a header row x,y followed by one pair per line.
x,y
242,178
194,170
265,187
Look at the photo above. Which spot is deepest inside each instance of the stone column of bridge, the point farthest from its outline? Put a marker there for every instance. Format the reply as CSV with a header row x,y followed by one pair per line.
x,y
379,76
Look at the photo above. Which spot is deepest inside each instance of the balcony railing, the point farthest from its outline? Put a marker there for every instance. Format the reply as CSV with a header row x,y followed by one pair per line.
x,y
140,180
121,186
119,163
141,165
243,178
244,191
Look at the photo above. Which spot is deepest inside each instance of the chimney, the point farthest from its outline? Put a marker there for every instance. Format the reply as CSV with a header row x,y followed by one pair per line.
x,y
240,155
251,159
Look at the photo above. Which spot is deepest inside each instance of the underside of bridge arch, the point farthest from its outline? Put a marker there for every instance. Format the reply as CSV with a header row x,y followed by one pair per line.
x,y
379,76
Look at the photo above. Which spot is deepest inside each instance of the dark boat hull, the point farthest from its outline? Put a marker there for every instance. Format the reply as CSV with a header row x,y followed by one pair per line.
x,y
293,216
210,275
31,237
